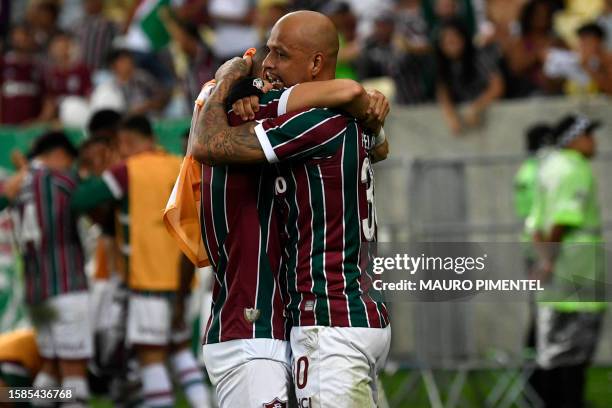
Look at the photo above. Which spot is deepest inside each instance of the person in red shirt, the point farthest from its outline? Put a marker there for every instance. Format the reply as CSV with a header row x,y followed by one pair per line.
x,y
21,80
66,75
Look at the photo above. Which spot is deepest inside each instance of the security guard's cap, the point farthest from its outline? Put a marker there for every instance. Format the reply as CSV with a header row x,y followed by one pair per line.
x,y
572,126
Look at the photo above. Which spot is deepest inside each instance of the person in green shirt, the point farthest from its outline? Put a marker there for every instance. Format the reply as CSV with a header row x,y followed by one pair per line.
x,y
567,232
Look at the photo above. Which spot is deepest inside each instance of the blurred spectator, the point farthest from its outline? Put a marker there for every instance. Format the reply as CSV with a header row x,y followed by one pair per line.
x,y
21,79
587,70
233,28
43,17
365,12
572,14
411,26
140,91
465,76
605,22
595,59
382,55
193,11
200,60
469,12
377,52
268,13
526,53
414,76
345,21
95,33
65,75
503,21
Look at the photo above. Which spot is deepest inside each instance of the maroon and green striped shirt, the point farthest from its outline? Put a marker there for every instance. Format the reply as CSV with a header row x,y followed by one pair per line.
x,y
241,235
325,187
46,230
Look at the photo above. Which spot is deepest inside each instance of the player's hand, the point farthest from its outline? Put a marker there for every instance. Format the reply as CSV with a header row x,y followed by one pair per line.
x,y
234,69
13,185
247,107
376,113
379,106
18,159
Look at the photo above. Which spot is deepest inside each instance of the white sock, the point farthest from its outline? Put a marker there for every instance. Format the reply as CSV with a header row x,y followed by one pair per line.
x,y
156,386
189,375
80,391
44,380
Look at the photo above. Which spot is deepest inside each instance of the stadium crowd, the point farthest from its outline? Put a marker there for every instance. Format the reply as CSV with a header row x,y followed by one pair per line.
x,y
62,60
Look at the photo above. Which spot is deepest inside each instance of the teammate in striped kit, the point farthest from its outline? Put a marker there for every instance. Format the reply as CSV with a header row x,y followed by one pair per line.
x,y
245,342
245,350
137,188
325,186
56,285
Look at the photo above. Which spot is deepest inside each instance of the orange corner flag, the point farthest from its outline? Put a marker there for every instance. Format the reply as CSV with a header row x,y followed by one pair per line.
x,y
182,214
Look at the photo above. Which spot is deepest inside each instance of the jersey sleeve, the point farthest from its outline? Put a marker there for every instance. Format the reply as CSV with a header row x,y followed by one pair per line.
x,y
95,191
569,205
301,134
116,180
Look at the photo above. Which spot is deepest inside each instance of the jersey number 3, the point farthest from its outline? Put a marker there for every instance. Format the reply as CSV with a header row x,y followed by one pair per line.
x,y
368,225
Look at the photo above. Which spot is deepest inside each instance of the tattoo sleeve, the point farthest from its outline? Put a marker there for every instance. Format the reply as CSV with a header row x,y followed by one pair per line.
x,y
218,143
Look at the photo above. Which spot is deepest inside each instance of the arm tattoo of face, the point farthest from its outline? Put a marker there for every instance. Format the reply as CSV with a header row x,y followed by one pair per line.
x,y
219,143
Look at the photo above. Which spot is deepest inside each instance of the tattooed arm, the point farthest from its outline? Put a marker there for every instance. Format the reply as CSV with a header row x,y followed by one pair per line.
x,y
215,141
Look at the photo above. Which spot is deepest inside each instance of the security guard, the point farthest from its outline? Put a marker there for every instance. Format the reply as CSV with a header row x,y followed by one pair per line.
x,y
567,223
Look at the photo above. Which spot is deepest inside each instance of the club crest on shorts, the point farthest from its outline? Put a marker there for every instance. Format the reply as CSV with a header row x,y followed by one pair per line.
x,y
251,314
275,403
258,83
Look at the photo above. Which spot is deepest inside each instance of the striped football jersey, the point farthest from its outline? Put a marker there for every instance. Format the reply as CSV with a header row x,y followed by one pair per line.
x,y
46,230
325,187
241,236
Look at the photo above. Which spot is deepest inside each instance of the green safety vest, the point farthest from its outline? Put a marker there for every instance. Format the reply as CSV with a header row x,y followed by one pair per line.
x,y
566,194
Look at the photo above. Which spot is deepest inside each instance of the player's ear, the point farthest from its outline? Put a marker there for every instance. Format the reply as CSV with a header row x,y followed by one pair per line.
x,y
317,65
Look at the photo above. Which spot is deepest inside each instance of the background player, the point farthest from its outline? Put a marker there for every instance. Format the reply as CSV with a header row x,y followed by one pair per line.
x,y
56,285
139,186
